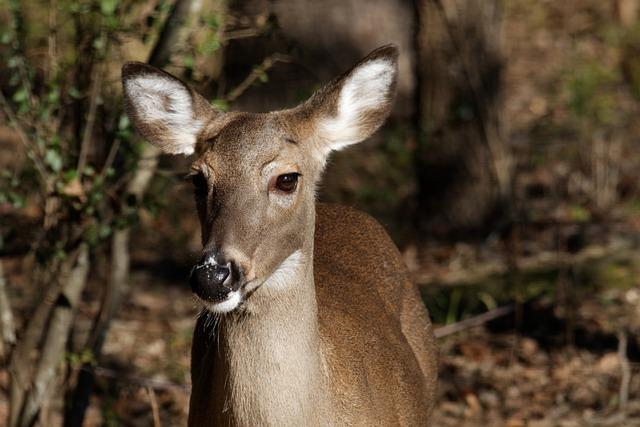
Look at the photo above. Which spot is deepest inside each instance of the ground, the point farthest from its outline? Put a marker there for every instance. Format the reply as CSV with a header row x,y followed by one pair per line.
x,y
545,364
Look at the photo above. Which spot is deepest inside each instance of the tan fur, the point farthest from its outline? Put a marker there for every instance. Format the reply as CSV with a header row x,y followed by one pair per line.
x,y
339,337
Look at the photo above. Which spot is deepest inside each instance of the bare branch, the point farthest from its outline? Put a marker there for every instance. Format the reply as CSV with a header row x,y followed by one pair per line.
x,y
255,74
625,369
240,34
146,168
91,118
6,316
472,322
171,33
22,135
137,380
111,156
19,48
154,407
23,355
57,336
52,40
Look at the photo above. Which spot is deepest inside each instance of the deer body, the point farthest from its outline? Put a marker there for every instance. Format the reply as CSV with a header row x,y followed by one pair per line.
x,y
324,372
309,314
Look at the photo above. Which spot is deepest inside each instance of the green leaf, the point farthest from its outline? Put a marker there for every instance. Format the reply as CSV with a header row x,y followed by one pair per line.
x,y
17,200
20,95
579,214
123,122
74,92
54,141
210,45
104,231
53,97
69,175
212,21
108,7
53,159
220,104
189,61
98,44
5,37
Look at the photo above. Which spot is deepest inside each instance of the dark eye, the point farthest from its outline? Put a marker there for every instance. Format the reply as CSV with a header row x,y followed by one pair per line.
x,y
288,182
199,183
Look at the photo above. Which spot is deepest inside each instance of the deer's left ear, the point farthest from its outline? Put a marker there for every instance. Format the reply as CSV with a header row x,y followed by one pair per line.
x,y
163,109
354,106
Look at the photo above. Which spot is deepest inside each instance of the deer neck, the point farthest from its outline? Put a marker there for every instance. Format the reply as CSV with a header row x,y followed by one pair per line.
x,y
275,371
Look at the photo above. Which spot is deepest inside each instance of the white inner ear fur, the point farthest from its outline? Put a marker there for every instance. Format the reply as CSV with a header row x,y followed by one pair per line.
x,y
160,99
364,90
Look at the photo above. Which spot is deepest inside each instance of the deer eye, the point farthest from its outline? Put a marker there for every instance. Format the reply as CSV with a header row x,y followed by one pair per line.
x,y
287,183
199,183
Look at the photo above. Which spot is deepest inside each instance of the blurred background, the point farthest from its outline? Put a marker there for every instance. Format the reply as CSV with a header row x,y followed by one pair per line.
x,y
507,174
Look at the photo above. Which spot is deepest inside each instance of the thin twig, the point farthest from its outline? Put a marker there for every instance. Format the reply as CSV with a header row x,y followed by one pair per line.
x,y
240,34
6,316
53,30
91,118
473,322
22,135
113,150
20,50
136,380
625,369
154,407
255,74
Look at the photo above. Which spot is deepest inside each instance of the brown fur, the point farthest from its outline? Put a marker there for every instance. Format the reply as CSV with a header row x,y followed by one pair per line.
x,y
339,337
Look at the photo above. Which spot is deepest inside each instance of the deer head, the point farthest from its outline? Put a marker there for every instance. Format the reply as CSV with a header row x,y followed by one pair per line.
x,y
255,175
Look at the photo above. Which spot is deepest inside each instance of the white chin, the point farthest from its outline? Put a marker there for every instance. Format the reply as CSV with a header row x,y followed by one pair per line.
x,y
230,304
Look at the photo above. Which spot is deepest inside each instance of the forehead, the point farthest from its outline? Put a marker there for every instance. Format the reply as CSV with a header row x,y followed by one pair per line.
x,y
248,140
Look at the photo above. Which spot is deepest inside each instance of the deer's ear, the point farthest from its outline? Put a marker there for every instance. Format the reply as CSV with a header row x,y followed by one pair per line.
x,y
354,106
163,109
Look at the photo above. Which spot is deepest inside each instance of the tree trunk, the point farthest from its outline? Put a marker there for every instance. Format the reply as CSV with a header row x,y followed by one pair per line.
x,y
463,165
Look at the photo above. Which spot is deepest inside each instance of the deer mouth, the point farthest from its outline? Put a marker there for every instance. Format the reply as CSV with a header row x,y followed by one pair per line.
x,y
227,304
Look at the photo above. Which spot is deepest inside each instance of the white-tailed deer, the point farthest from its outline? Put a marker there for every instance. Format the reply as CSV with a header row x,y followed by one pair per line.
x,y
310,318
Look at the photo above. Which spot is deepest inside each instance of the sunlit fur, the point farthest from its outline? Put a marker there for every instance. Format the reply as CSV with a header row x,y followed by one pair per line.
x,y
329,329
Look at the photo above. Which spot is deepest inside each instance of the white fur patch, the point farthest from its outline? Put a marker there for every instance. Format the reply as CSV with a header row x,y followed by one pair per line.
x,y
364,90
230,304
281,277
159,99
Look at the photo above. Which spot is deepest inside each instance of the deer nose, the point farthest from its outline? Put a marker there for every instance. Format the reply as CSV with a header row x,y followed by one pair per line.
x,y
211,280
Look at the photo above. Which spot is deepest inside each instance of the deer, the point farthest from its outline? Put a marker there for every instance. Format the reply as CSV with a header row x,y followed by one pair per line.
x,y
309,316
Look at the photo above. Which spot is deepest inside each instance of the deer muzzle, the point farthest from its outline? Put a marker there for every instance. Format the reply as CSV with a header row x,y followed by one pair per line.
x,y
213,279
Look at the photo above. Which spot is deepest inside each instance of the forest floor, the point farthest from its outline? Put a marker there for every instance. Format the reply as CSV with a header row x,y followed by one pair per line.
x,y
567,357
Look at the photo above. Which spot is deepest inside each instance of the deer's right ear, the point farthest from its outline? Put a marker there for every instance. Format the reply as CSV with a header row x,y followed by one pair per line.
x,y
163,109
353,106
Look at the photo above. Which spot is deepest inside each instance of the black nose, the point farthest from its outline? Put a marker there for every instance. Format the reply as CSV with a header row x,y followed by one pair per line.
x,y
211,280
